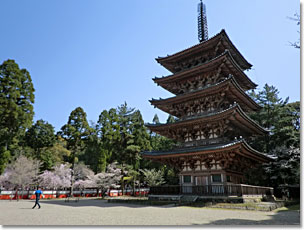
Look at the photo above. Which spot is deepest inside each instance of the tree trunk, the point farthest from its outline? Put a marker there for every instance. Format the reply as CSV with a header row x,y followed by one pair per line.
x,y
17,198
72,175
21,191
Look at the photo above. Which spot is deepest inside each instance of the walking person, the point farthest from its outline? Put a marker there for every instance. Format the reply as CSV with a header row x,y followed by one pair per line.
x,y
38,194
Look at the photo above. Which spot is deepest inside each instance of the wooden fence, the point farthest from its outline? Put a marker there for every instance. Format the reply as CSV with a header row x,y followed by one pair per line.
x,y
212,190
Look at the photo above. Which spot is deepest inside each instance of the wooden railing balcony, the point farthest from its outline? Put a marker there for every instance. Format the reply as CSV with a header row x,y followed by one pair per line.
x,y
212,190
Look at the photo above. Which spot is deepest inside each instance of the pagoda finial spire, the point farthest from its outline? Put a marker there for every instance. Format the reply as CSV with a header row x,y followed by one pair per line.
x,y
202,22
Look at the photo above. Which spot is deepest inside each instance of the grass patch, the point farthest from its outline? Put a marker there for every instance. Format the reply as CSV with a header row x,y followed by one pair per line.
x,y
237,205
140,201
295,207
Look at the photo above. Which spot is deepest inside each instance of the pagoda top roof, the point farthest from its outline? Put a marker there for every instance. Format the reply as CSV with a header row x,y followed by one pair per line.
x,y
209,149
235,110
243,79
168,61
208,90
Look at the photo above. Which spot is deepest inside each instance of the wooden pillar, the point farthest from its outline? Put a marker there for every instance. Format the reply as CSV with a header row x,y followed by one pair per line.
x,y
224,176
224,182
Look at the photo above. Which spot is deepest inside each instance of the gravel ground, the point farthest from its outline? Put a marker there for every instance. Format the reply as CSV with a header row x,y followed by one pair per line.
x,y
99,212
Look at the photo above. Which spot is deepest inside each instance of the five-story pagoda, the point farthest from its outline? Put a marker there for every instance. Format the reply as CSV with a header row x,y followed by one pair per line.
x,y
211,105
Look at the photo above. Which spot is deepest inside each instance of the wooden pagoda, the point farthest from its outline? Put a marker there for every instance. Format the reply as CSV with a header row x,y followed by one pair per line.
x,y
211,106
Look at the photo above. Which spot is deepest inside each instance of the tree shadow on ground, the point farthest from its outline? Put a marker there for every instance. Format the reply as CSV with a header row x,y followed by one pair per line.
x,y
100,203
278,219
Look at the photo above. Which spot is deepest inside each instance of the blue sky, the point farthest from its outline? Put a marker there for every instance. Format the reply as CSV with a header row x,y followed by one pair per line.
x,y
99,53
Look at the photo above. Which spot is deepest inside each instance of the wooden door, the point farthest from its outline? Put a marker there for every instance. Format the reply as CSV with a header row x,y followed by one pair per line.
x,y
201,180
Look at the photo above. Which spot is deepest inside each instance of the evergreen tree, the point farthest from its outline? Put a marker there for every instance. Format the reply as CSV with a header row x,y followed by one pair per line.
x,y
170,119
153,177
16,107
50,156
159,143
268,116
94,154
134,137
156,119
132,175
282,143
287,128
75,132
108,131
171,175
286,167
297,19
141,138
40,135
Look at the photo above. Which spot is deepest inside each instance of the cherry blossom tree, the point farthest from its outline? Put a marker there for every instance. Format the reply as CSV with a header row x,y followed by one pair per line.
x,y
49,180
109,179
82,172
84,177
21,173
63,171
4,180
59,178
87,183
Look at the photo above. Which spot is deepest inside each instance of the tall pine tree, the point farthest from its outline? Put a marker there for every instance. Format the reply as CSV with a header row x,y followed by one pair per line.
x,y
108,131
283,142
75,132
268,116
16,107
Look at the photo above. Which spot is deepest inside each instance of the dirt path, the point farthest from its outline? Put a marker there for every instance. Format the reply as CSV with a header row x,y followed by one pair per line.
x,y
98,212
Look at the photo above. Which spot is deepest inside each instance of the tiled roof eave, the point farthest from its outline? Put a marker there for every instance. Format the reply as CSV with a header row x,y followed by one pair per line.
x,y
246,145
206,150
202,66
226,112
222,34
190,150
218,85
248,65
189,49
246,117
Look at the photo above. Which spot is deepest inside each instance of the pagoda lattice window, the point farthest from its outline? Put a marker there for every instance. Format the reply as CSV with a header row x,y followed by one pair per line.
x,y
188,137
201,109
212,133
200,135
210,107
